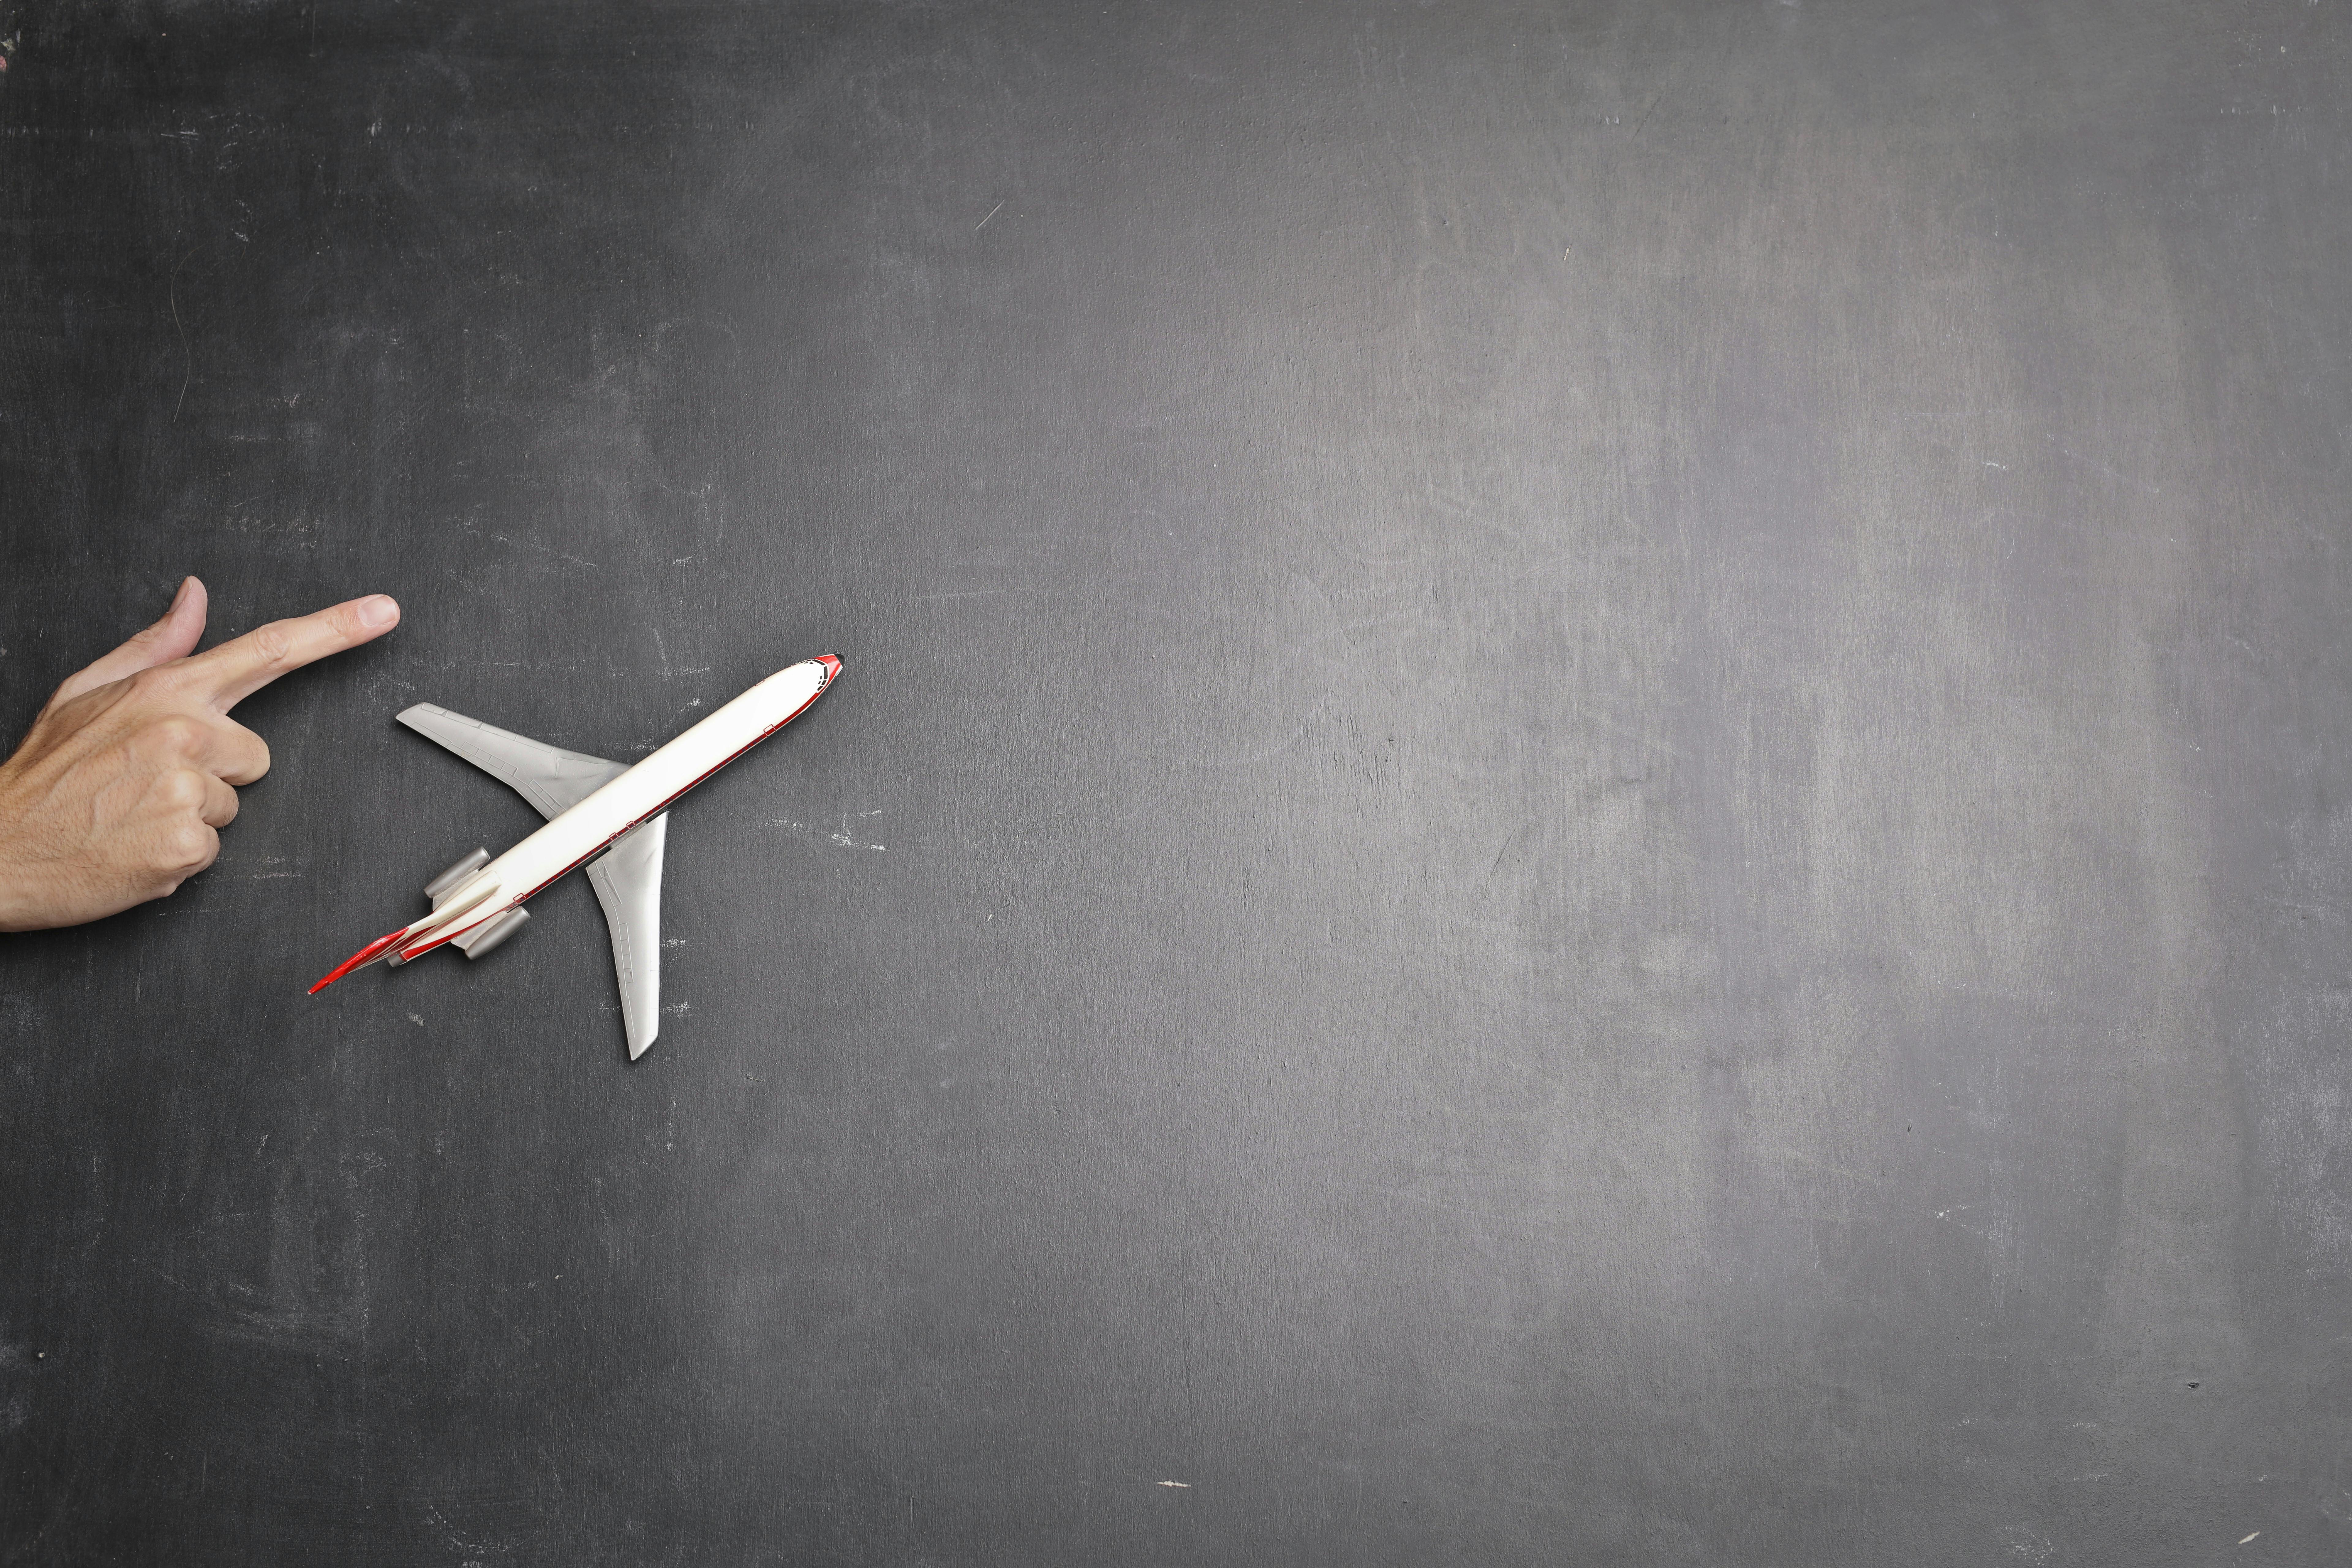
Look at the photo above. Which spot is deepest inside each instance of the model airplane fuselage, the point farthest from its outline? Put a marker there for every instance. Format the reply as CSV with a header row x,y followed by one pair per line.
x,y
592,805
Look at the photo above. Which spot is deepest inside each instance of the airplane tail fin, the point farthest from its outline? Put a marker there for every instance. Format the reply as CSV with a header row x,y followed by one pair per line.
x,y
466,898
379,949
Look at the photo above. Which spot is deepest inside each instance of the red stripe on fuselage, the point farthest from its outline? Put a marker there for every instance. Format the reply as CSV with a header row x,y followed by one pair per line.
x,y
454,932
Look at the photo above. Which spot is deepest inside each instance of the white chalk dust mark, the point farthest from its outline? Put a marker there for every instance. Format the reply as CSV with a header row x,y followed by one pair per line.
x,y
2030,1544
839,836
1180,1485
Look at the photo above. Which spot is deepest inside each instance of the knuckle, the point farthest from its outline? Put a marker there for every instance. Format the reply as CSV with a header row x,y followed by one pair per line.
x,y
190,847
184,789
273,643
157,680
177,733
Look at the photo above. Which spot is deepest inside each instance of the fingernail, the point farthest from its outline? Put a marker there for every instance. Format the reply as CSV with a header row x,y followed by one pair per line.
x,y
377,612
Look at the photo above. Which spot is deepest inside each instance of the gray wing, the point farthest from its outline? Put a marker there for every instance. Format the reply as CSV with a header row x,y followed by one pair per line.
x,y
549,777
627,880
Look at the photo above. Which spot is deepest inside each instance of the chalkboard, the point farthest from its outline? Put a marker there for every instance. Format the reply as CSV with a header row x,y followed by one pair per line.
x,y
1592,804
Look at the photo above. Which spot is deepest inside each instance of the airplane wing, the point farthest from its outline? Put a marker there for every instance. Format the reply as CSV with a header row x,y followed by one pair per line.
x,y
627,878
549,777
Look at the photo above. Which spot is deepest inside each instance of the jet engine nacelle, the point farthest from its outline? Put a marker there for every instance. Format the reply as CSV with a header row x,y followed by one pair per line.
x,y
474,944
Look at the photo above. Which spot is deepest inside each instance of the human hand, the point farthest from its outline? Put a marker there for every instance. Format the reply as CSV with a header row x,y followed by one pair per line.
x,y
119,793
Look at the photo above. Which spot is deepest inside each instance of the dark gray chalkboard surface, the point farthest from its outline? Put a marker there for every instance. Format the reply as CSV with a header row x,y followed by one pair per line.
x,y
1594,801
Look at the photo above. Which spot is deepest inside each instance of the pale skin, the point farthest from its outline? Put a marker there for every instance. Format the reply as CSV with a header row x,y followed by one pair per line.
x,y
119,792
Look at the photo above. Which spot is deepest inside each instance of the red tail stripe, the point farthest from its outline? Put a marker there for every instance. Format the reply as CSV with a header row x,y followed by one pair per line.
x,y
371,952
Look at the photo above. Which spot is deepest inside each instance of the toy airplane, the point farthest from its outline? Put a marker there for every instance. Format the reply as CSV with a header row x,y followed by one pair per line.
x,y
591,805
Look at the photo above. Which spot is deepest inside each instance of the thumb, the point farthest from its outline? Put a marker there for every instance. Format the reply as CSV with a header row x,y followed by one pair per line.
x,y
173,636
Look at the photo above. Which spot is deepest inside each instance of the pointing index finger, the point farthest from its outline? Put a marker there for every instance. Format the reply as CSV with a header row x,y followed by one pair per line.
x,y
243,665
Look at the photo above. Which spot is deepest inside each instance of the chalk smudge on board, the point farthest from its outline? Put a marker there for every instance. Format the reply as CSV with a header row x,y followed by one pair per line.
x,y
839,836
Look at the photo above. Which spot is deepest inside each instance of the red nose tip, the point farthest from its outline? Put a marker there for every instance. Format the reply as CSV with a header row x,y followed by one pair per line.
x,y
832,667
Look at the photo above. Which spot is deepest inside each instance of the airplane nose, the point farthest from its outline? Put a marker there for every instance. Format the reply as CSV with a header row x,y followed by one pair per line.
x,y
832,667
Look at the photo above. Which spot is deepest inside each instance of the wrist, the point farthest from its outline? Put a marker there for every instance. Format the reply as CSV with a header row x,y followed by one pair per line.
x,y
23,902
20,902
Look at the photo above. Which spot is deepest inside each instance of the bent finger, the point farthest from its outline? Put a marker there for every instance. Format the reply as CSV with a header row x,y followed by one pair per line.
x,y
235,752
206,739
173,636
233,671
220,804
183,849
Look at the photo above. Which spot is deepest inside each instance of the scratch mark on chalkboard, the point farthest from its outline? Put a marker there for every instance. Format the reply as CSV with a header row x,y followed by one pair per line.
x,y
1796,1157
992,213
974,593
1456,506
187,356
2250,1537
1540,1221
1274,751
1187,1486
486,1544
543,549
529,544
2141,485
